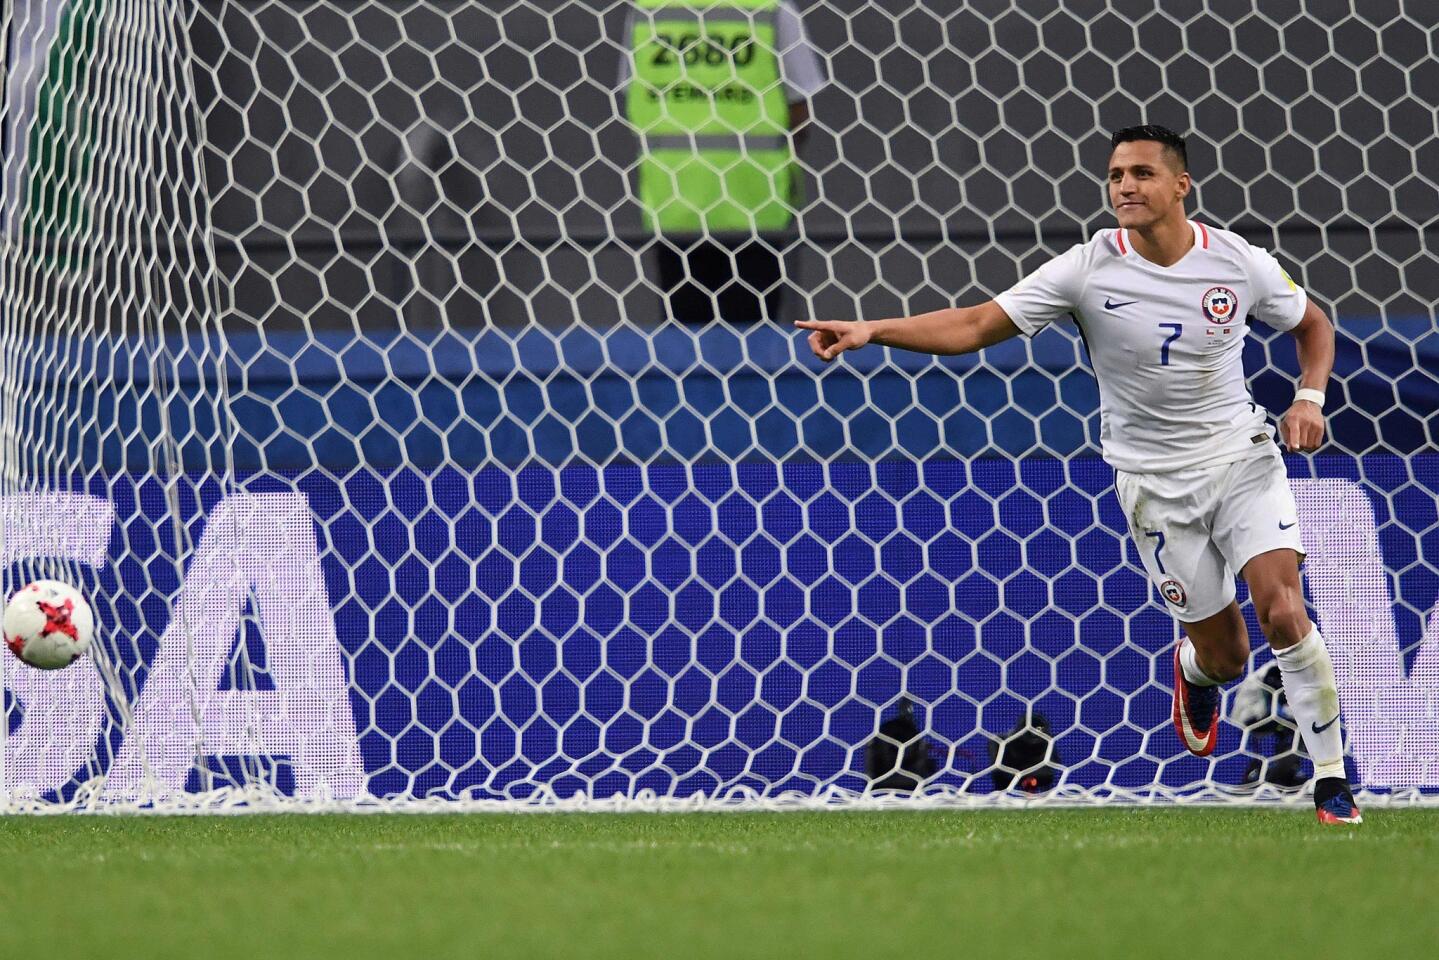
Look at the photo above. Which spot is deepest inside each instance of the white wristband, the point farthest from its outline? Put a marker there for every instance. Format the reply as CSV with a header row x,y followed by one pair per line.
x,y
1313,396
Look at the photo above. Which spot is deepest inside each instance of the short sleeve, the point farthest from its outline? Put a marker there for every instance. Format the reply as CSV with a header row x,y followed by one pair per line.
x,y
1046,294
1278,301
799,60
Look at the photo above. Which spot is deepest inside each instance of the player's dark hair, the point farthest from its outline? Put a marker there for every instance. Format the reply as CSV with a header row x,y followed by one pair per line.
x,y
1153,131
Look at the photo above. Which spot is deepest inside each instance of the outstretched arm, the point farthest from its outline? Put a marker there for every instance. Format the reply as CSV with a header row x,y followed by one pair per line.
x,y
950,331
1302,427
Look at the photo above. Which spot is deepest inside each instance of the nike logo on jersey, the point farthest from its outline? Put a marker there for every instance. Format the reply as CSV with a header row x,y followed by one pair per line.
x,y
1115,306
1319,729
1286,526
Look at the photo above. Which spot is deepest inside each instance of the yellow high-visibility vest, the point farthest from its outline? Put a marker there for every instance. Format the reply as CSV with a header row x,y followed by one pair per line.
x,y
709,104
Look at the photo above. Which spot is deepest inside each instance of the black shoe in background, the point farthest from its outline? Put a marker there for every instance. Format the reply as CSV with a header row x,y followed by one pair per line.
x,y
898,758
1021,758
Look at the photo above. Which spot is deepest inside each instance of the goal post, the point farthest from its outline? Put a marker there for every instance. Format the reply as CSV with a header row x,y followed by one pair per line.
x,y
410,460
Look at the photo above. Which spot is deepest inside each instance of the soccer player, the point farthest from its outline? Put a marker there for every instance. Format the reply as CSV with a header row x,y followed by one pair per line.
x,y
1161,304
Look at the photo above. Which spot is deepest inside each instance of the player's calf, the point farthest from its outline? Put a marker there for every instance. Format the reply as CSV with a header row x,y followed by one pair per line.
x,y
1218,647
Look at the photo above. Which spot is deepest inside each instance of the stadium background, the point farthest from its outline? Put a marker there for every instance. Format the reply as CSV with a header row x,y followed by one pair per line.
x,y
491,367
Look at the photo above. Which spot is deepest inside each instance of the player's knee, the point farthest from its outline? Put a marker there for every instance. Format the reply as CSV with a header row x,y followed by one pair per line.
x,y
1284,619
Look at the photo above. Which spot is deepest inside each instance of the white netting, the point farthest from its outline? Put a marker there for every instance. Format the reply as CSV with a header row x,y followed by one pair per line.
x,y
408,464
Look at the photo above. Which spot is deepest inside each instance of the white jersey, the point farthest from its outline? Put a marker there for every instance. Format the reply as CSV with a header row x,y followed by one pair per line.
x,y
1166,342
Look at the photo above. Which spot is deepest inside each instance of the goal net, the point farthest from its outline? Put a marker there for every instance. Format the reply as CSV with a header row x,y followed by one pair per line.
x,y
411,387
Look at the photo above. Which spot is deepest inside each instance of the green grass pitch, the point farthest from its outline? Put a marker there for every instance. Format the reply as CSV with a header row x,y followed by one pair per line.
x,y
991,884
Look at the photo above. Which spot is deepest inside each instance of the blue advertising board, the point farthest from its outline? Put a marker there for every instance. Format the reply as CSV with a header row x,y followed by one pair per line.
x,y
688,629
396,569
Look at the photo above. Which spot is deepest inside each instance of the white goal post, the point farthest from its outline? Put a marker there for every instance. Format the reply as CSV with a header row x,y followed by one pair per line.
x,y
411,385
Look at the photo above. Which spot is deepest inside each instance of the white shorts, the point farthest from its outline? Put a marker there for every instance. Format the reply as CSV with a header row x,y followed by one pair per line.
x,y
1195,529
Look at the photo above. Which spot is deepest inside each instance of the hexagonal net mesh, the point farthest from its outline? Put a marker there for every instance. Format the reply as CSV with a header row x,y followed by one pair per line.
x,y
411,387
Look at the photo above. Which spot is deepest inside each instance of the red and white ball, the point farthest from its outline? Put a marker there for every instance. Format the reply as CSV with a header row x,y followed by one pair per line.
x,y
48,624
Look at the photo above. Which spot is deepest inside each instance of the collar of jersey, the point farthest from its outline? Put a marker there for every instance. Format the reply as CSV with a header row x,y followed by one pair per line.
x,y
1201,242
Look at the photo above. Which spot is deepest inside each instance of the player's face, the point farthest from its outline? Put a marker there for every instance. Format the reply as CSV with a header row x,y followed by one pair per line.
x,y
1144,186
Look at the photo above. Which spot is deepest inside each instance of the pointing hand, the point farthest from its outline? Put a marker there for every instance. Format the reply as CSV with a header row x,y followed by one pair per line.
x,y
829,338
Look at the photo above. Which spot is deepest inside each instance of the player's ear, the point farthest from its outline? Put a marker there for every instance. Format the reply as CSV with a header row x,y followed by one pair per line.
x,y
1185,184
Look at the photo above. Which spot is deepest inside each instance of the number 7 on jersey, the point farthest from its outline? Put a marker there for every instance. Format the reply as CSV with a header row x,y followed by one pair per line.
x,y
1164,347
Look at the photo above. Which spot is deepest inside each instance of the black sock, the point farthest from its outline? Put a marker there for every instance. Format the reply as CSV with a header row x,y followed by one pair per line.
x,y
1327,788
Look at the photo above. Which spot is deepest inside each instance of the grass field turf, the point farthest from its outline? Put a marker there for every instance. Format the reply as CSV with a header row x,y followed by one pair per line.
x,y
1063,883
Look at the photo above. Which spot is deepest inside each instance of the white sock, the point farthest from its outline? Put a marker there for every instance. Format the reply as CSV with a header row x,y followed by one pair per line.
x,y
1189,663
1314,700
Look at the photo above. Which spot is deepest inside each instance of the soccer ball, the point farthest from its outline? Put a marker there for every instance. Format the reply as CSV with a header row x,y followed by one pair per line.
x,y
48,624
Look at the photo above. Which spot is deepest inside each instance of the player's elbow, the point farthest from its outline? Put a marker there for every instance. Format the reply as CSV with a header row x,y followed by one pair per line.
x,y
967,335
981,326
1314,324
